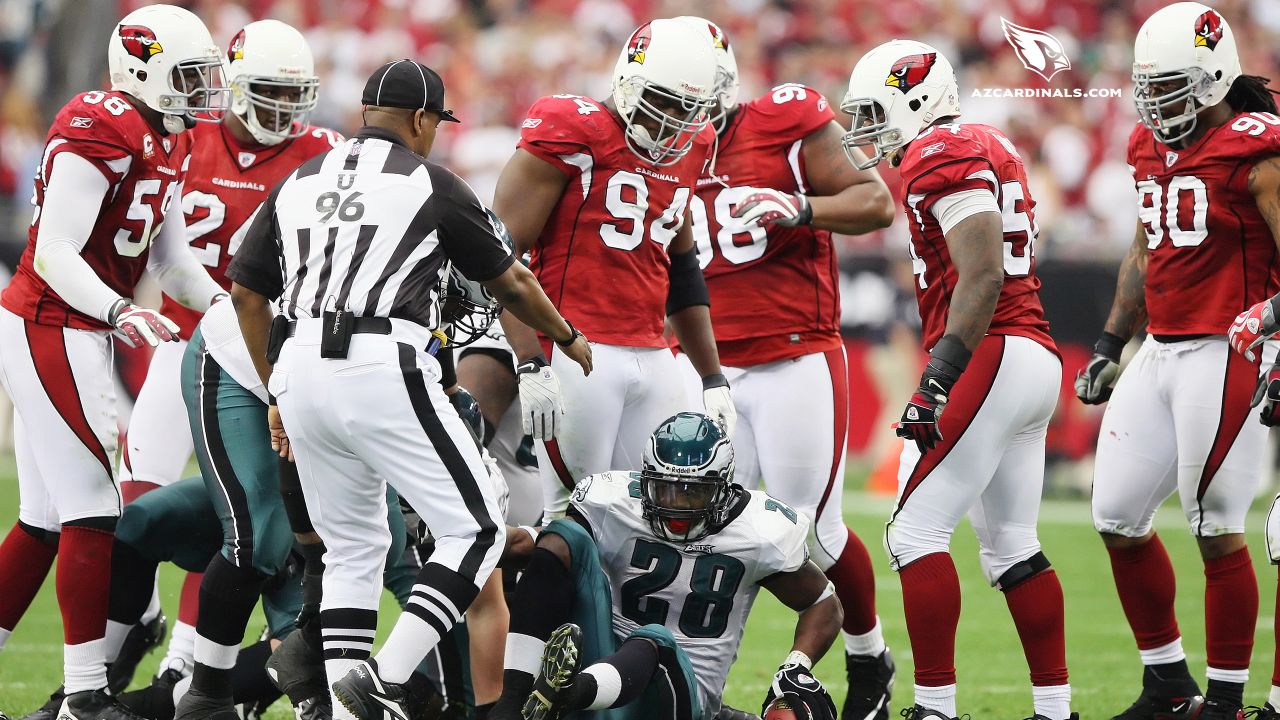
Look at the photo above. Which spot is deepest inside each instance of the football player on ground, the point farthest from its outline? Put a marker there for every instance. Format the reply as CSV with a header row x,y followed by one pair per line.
x,y
992,368
638,598
763,218
122,153
234,164
1177,418
599,193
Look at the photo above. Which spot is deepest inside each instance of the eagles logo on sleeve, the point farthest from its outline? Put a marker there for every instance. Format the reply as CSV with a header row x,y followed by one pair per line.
x,y
140,42
236,50
638,44
910,71
1208,29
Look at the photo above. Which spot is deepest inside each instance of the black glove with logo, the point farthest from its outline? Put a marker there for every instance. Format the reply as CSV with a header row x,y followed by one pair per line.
x,y
1095,380
1267,397
919,422
794,680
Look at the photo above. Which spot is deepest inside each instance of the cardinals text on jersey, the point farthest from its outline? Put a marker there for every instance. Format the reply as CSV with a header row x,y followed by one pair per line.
x,y
701,592
774,292
951,158
144,168
602,256
1210,252
225,184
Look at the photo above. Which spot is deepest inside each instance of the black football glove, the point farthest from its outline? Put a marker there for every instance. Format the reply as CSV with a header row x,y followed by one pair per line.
x,y
1095,379
919,422
796,680
1267,397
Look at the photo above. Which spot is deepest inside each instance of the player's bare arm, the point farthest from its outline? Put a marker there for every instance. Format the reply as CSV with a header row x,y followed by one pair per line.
x,y
844,199
518,291
253,311
1259,323
806,591
976,245
1129,308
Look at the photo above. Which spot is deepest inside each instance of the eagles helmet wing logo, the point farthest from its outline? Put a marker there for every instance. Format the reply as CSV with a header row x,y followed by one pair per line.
x,y
1040,52
910,71
638,44
236,50
1208,29
140,42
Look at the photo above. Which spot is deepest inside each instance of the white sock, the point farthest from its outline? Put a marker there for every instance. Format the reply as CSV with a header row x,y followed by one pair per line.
x,y
335,670
182,649
4,637
941,698
1274,698
116,634
1052,701
410,641
84,667
608,685
523,653
1170,653
869,643
211,654
153,608
1231,676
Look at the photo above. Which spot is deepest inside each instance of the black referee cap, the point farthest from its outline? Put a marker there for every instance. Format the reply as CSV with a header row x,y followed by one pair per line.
x,y
407,84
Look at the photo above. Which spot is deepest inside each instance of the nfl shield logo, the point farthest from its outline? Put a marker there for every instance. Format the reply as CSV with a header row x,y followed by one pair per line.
x,y
246,159
1170,158
167,146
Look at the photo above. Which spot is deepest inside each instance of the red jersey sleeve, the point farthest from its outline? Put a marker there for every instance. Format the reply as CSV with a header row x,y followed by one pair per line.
x,y
92,126
561,125
315,140
1136,137
940,165
793,111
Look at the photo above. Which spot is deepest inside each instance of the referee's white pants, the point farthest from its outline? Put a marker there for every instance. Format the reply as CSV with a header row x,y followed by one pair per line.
x,y
380,416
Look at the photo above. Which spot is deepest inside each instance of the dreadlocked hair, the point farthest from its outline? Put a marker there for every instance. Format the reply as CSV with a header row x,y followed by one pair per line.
x,y
1250,93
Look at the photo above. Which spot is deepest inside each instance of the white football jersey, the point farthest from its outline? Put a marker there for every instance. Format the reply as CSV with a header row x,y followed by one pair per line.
x,y
700,591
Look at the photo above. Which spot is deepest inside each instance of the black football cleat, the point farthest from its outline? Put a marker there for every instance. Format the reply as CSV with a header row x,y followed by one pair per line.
x,y
94,705
1038,716
923,713
728,713
1215,710
317,708
196,705
561,660
368,697
49,710
1161,699
1266,712
142,639
155,700
871,680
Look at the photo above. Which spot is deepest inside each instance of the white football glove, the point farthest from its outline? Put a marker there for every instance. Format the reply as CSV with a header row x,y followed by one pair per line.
x,y
766,206
540,403
139,326
718,402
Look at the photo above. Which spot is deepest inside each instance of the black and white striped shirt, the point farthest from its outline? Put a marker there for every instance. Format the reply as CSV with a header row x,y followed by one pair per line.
x,y
368,227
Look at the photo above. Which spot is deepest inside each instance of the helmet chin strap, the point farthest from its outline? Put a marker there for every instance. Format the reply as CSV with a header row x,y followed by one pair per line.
x,y
174,124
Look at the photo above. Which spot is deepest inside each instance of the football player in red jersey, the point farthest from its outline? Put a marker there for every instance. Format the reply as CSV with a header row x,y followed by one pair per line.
x,y
123,153
234,164
992,367
762,219
599,193
1177,418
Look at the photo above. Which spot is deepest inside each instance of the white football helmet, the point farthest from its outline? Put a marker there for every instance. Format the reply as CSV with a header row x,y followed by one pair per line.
x,y
664,88
895,91
1190,46
164,56
727,84
273,80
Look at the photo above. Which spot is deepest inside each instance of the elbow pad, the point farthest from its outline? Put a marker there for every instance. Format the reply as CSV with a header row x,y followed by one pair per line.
x,y
688,287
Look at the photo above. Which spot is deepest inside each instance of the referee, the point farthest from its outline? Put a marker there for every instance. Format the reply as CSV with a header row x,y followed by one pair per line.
x,y
353,244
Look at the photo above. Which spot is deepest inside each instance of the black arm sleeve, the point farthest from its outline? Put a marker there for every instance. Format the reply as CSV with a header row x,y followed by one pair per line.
x,y
688,288
257,264
472,236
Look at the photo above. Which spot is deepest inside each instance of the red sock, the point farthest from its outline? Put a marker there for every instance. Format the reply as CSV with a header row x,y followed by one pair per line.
x,y
931,602
1230,610
855,584
24,563
83,581
134,489
1038,613
1146,584
189,605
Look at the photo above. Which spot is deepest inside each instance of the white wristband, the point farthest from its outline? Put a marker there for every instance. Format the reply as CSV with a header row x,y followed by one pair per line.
x,y
533,532
798,658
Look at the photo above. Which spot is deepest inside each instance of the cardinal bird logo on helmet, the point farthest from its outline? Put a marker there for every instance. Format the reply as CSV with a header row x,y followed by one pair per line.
x,y
140,42
236,50
910,71
1208,29
719,41
638,44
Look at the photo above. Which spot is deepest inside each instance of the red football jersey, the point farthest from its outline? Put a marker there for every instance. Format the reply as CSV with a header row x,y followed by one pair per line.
x,y
1210,252
602,256
144,168
774,292
947,159
225,184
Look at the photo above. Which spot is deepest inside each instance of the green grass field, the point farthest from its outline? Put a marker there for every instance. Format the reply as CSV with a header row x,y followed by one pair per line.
x,y
993,677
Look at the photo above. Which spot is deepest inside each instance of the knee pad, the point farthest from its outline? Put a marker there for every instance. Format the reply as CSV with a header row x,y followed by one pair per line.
x,y
44,537
105,523
1022,572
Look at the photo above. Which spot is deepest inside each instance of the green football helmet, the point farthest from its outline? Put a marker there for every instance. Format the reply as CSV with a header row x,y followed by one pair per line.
x,y
685,477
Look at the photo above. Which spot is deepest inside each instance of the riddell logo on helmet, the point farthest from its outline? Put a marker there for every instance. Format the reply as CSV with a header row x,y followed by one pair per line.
x,y
1208,30
638,44
910,71
236,50
140,42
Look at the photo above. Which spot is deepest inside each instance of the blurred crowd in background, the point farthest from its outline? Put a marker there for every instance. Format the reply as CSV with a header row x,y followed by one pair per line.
x,y
498,56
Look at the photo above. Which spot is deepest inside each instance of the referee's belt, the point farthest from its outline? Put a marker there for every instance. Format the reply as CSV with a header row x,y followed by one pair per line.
x,y
308,331
359,326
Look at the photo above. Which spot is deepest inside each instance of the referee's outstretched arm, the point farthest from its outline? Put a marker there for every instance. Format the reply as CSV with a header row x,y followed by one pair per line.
x,y
518,291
